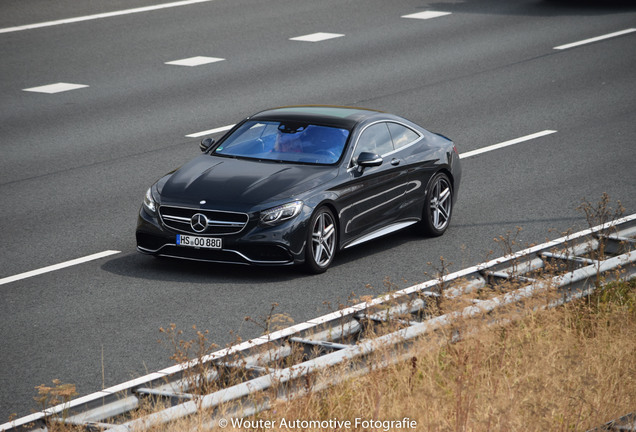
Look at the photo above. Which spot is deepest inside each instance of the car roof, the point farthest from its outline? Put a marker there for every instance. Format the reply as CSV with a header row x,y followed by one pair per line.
x,y
339,116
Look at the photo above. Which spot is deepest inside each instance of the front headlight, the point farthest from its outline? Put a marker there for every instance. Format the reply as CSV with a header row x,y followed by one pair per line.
x,y
149,201
281,213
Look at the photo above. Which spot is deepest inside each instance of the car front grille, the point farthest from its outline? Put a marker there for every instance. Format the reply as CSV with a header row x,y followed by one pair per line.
x,y
206,222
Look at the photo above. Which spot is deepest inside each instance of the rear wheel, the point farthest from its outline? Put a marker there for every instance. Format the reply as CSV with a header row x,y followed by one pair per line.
x,y
438,206
321,241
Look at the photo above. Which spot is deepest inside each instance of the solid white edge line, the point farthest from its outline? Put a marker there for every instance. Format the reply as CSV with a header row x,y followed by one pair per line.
x,y
210,131
57,266
506,144
595,39
101,15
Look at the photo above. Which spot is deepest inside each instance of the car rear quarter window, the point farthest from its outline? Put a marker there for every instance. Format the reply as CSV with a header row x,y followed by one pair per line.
x,y
402,136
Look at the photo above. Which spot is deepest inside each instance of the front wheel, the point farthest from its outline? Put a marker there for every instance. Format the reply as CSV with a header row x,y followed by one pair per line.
x,y
438,206
322,238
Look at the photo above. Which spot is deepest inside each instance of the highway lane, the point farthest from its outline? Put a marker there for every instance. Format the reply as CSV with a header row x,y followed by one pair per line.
x,y
75,165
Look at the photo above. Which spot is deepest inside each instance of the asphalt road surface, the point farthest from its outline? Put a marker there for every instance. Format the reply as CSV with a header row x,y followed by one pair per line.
x,y
75,164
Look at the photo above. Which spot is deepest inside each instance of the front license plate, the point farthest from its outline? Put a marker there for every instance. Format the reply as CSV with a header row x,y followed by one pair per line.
x,y
199,242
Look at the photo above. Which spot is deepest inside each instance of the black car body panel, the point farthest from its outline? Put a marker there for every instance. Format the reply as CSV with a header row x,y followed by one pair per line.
x,y
240,183
250,177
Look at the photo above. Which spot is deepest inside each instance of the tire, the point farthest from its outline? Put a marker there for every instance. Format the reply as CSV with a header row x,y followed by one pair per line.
x,y
322,241
438,206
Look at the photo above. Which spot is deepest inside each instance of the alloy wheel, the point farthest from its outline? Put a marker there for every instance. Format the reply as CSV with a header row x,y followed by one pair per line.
x,y
441,203
323,239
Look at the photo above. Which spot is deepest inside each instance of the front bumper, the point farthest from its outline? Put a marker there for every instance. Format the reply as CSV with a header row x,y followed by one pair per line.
x,y
255,245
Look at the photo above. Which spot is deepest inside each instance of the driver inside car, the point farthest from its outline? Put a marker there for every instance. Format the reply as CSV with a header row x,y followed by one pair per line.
x,y
288,142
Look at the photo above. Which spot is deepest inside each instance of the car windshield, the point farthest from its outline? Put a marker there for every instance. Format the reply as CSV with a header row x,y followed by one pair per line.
x,y
285,142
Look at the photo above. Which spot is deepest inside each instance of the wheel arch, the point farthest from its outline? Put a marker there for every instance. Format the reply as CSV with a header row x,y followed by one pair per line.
x,y
328,201
334,210
446,170
313,263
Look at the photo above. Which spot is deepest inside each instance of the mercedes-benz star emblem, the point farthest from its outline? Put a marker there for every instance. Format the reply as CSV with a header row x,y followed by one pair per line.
x,y
199,222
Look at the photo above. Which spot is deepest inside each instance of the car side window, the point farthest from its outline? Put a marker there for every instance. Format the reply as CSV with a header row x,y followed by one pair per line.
x,y
375,139
402,135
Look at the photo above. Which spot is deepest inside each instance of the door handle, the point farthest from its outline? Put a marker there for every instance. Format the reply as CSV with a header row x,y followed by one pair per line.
x,y
395,162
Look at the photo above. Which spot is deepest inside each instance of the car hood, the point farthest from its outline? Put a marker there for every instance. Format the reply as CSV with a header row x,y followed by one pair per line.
x,y
229,182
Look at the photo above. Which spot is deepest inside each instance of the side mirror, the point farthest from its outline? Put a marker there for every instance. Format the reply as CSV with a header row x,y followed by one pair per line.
x,y
367,159
206,144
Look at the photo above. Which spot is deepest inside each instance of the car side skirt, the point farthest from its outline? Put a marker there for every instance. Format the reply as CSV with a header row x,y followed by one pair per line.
x,y
381,232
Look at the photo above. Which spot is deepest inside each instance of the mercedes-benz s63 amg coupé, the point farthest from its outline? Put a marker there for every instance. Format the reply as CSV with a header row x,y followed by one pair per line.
x,y
294,185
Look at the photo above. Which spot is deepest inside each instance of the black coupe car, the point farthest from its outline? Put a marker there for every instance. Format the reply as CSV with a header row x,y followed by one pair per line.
x,y
294,185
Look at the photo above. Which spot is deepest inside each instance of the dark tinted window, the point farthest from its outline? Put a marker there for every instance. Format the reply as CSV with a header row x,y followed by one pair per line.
x,y
375,139
401,135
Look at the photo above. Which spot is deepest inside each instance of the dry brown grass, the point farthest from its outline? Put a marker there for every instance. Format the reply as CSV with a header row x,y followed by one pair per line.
x,y
573,368
566,369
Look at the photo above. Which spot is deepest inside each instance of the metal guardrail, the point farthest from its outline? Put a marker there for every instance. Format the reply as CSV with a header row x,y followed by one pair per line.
x,y
249,377
627,423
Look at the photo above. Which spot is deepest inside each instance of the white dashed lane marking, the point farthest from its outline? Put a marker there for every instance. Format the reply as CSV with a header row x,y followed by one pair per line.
x,y
210,131
426,15
100,16
222,129
55,88
58,266
317,37
195,61
595,39
506,143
